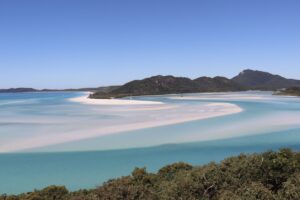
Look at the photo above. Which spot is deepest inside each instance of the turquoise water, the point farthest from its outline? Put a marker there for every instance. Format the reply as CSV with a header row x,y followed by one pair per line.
x,y
267,122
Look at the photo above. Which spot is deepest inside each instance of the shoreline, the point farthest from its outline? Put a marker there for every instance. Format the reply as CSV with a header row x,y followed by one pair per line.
x,y
86,100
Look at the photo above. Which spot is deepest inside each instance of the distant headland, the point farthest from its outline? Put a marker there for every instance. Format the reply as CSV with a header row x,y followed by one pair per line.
x,y
97,89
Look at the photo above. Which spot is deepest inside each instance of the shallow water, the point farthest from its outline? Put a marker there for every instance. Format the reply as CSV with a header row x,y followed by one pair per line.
x,y
267,122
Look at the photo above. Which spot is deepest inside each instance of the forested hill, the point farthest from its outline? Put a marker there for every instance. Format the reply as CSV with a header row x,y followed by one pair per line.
x,y
258,80
169,85
266,176
246,80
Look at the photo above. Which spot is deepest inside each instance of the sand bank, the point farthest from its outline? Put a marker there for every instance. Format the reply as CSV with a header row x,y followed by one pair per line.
x,y
220,97
85,100
126,121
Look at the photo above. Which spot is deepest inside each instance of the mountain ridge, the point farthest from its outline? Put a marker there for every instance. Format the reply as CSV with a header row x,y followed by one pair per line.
x,y
157,85
259,80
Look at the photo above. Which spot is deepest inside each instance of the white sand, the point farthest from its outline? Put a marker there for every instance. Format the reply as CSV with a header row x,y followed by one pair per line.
x,y
221,97
133,121
85,100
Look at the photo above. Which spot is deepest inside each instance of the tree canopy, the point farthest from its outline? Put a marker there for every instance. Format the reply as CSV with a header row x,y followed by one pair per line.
x,y
266,176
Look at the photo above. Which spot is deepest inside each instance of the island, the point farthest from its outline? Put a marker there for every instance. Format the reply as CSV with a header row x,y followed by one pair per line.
x,y
17,90
91,89
159,85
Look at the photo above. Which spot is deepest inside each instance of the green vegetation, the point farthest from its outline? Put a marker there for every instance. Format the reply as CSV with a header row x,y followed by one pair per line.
x,y
157,85
266,176
293,91
258,80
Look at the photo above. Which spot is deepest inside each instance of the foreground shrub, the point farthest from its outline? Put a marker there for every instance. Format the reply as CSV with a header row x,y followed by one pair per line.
x,y
267,176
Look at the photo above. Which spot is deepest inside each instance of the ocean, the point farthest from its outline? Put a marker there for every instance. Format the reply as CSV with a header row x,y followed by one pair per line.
x,y
35,129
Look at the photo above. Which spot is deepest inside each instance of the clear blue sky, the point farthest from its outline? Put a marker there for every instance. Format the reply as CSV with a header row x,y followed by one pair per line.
x,y
81,43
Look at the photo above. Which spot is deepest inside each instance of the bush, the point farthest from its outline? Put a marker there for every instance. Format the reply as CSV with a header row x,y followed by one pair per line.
x,y
266,176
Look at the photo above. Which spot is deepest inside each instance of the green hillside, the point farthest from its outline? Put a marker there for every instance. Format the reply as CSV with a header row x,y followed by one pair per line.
x,y
156,85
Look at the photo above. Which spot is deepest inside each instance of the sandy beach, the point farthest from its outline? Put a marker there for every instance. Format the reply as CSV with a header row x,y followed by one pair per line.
x,y
85,100
224,97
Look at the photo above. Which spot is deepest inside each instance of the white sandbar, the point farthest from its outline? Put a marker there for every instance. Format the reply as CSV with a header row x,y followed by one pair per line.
x,y
86,100
133,119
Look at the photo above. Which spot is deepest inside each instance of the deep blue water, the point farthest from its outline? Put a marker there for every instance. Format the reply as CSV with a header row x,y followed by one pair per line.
x,y
267,124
